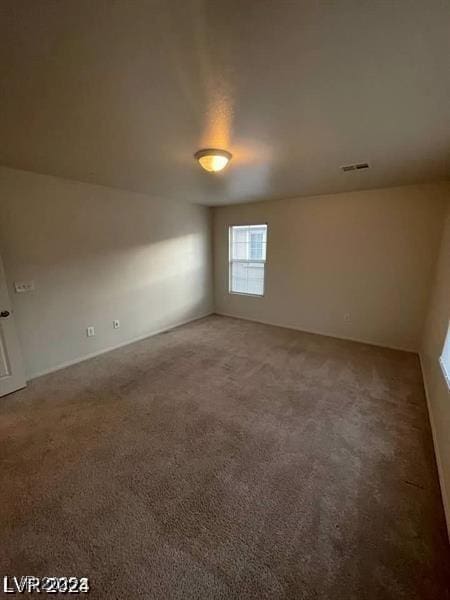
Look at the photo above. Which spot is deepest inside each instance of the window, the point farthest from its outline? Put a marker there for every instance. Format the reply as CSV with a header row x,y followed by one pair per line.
x,y
247,258
445,357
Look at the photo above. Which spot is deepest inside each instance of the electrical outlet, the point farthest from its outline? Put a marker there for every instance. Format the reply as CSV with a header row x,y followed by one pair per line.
x,y
116,324
23,286
90,331
347,317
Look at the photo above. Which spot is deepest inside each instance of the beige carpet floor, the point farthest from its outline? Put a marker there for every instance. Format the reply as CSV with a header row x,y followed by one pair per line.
x,y
227,460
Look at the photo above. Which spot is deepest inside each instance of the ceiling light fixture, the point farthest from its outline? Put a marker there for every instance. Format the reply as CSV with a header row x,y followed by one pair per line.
x,y
212,159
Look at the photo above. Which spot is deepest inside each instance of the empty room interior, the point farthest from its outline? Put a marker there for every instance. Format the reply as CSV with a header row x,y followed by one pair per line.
x,y
225,299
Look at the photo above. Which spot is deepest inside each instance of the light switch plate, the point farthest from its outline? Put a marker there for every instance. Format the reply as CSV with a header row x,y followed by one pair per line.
x,y
23,286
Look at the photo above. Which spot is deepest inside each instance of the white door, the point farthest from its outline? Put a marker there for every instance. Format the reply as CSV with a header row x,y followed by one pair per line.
x,y
12,375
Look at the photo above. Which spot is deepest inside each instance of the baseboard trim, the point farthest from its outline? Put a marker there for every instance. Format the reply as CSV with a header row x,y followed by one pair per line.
x,y
445,497
79,359
346,338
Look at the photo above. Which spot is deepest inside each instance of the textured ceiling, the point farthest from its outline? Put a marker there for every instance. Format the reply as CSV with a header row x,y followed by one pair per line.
x,y
123,93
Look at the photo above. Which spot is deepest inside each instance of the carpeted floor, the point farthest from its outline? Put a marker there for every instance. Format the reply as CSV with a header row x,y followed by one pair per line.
x,y
227,460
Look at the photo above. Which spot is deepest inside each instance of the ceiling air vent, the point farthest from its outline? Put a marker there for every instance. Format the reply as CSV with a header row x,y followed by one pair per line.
x,y
355,167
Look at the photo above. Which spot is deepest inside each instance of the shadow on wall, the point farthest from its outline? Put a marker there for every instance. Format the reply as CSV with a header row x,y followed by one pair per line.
x,y
60,217
95,255
58,335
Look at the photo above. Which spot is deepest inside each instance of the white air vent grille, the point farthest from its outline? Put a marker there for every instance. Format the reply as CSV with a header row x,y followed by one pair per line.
x,y
355,167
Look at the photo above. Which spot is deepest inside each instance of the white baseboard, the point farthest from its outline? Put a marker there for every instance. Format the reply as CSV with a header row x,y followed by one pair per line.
x,y
315,332
445,497
79,359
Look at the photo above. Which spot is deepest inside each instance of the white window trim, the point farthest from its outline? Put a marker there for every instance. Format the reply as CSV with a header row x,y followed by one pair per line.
x,y
446,351
445,365
445,373
264,262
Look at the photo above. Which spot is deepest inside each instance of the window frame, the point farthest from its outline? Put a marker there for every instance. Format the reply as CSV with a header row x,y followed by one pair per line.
x,y
230,261
445,350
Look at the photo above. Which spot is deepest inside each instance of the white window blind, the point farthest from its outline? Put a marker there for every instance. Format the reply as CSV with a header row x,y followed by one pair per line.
x,y
445,357
247,259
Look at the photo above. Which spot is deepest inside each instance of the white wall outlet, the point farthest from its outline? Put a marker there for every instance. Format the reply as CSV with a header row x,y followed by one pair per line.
x,y
116,324
347,317
90,331
23,286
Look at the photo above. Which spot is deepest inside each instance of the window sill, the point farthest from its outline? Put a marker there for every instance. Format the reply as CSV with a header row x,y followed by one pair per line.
x,y
244,294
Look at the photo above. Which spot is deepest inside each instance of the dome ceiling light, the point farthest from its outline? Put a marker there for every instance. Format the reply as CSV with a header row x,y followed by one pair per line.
x,y
212,159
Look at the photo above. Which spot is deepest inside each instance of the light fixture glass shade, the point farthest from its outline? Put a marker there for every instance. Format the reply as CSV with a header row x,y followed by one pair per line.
x,y
212,159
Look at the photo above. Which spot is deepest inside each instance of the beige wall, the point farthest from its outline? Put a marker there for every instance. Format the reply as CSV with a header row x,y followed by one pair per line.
x,y
438,393
369,254
98,254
